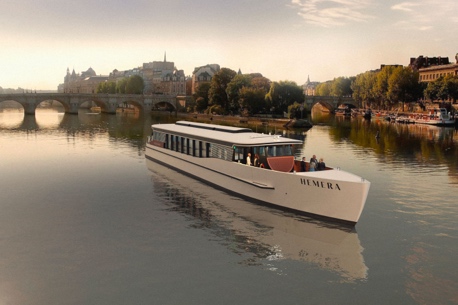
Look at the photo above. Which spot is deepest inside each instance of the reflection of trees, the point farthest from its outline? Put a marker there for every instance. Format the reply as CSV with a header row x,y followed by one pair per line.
x,y
401,142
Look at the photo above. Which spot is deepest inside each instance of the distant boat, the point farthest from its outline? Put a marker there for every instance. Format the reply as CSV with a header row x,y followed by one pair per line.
x,y
437,116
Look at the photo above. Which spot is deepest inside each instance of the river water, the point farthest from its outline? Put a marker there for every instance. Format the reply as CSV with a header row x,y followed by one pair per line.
x,y
85,219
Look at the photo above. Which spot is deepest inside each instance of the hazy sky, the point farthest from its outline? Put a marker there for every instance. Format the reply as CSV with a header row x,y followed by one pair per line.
x,y
282,39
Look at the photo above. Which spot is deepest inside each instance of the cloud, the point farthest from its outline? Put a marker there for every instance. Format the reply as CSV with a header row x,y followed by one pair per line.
x,y
330,13
405,6
425,15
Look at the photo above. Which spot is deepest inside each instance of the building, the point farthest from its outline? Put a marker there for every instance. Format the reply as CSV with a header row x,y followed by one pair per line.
x,y
162,77
433,72
159,77
86,82
203,74
309,87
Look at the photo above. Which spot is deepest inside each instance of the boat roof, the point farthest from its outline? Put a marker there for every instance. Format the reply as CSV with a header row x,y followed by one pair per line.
x,y
226,135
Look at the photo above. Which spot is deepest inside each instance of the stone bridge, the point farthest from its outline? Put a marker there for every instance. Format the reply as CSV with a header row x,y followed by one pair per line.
x,y
108,103
330,102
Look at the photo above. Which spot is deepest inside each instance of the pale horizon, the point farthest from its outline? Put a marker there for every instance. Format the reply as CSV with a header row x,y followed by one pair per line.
x,y
282,40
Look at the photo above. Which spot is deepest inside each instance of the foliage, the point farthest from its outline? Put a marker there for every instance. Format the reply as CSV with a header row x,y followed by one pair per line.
x,y
362,88
323,89
201,96
443,88
217,93
252,100
341,86
239,82
121,86
295,112
108,87
282,94
403,86
135,85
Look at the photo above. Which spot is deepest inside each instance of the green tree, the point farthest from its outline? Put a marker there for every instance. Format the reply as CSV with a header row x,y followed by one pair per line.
x,y
121,86
237,83
362,88
217,93
106,87
323,89
341,86
450,87
252,100
201,96
135,85
282,94
403,86
381,86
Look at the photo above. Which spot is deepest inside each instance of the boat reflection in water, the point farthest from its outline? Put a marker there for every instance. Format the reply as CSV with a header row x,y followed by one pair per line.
x,y
266,235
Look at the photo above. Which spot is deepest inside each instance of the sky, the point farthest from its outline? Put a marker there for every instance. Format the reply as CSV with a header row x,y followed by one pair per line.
x,y
281,39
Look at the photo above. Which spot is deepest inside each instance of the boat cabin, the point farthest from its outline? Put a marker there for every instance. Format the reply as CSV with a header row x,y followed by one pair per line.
x,y
225,142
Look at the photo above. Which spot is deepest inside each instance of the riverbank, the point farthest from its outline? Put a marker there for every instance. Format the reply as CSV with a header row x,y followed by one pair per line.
x,y
235,120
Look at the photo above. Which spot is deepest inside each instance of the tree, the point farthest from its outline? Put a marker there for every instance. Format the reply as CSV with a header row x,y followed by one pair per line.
x,y
252,100
108,87
121,86
403,86
341,86
135,85
237,83
217,93
362,88
282,94
381,86
201,96
323,89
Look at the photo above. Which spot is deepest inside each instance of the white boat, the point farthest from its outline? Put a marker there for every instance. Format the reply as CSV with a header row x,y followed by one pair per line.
x,y
249,226
217,155
437,116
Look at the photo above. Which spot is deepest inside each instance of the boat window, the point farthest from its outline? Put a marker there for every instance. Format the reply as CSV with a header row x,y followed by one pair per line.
x,y
177,143
238,154
194,148
159,136
280,150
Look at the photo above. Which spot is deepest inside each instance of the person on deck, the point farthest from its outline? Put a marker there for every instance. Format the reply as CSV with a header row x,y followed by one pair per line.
x,y
321,165
256,160
248,159
303,165
313,163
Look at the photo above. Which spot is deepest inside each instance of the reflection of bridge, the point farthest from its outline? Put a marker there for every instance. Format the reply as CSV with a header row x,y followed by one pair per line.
x,y
107,102
330,102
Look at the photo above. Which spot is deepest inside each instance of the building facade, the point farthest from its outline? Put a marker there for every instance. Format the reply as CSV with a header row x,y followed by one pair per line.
x,y
430,69
159,77
86,82
309,87
203,74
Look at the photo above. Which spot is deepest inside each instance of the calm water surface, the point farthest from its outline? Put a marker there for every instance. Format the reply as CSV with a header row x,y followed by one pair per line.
x,y
85,219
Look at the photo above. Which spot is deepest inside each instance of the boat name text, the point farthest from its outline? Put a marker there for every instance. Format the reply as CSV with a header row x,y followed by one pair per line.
x,y
321,184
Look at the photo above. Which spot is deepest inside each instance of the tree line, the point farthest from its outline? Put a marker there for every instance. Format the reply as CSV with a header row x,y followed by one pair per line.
x,y
391,87
251,94
245,94
128,85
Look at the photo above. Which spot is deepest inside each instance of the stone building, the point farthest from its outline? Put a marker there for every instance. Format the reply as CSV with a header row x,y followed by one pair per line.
x,y
86,82
432,72
309,87
202,75
162,77
159,77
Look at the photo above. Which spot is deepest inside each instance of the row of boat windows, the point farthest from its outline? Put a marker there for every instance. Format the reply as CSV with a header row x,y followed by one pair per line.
x,y
204,149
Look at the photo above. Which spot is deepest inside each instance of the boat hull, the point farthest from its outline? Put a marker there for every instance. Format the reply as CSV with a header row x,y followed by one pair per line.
x,y
331,194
